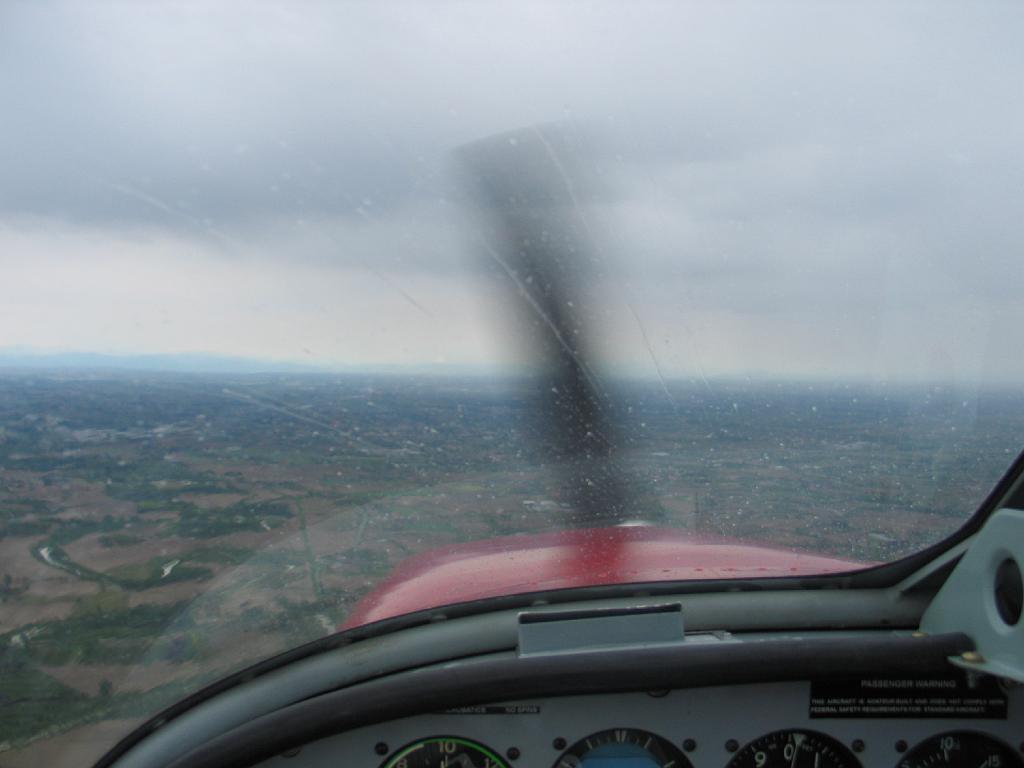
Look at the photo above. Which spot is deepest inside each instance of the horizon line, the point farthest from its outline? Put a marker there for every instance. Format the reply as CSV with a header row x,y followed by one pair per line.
x,y
14,360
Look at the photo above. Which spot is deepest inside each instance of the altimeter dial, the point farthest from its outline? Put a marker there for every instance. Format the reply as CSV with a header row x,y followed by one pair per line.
x,y
794,749
961,749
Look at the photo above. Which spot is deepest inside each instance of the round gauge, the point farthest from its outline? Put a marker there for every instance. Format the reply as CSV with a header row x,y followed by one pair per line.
x,y
794,749
623,748
961,748
444,752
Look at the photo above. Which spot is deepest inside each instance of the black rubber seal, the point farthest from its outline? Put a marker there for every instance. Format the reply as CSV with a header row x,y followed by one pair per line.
x,y
505,677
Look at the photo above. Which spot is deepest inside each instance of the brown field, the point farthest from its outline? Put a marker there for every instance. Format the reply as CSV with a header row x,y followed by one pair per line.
x,y
16,559
20,613
174,592
213,500
76,748
51,592
137,677
89,552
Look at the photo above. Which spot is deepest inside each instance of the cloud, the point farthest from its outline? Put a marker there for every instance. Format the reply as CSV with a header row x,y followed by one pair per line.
x,y
143,291
789,188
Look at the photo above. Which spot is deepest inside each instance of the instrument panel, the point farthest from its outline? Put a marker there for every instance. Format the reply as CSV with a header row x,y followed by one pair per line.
x,y
857,724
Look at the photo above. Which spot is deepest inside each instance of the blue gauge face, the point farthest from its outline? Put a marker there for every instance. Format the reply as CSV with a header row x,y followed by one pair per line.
x,y
623,748
961,748
444,752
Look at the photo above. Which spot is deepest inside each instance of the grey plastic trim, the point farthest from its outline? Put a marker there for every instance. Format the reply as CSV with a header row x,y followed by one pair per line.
x,y
547,632
928,572
966,602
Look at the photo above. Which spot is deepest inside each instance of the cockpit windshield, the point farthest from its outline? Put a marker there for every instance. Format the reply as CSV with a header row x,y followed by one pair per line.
x,y
315,314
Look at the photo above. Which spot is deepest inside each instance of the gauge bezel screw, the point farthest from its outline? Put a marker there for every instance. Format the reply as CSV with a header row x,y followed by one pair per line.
x,y
512,753
857,745
559,744
689,745
732,745
901,746
381,748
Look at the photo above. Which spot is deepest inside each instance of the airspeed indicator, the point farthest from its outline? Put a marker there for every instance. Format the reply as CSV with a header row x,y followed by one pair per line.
x,y
444,752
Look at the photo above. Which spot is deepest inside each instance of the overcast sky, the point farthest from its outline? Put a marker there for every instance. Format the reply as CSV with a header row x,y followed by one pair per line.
x,y
790,190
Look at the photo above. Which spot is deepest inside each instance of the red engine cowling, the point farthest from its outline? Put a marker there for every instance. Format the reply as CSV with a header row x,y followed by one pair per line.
x,y
576,558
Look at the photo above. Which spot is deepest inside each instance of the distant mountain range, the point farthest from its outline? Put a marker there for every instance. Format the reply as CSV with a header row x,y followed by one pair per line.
x,y
178,363
12,359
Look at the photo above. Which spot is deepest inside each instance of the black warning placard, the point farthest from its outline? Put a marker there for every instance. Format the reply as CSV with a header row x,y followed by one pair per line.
x,y
951,696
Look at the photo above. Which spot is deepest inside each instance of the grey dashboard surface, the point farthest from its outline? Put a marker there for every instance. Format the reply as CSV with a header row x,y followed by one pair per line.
x,y
714,718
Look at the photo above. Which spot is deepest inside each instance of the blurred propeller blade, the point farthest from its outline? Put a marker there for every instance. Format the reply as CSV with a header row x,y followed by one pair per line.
x,y
528,186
